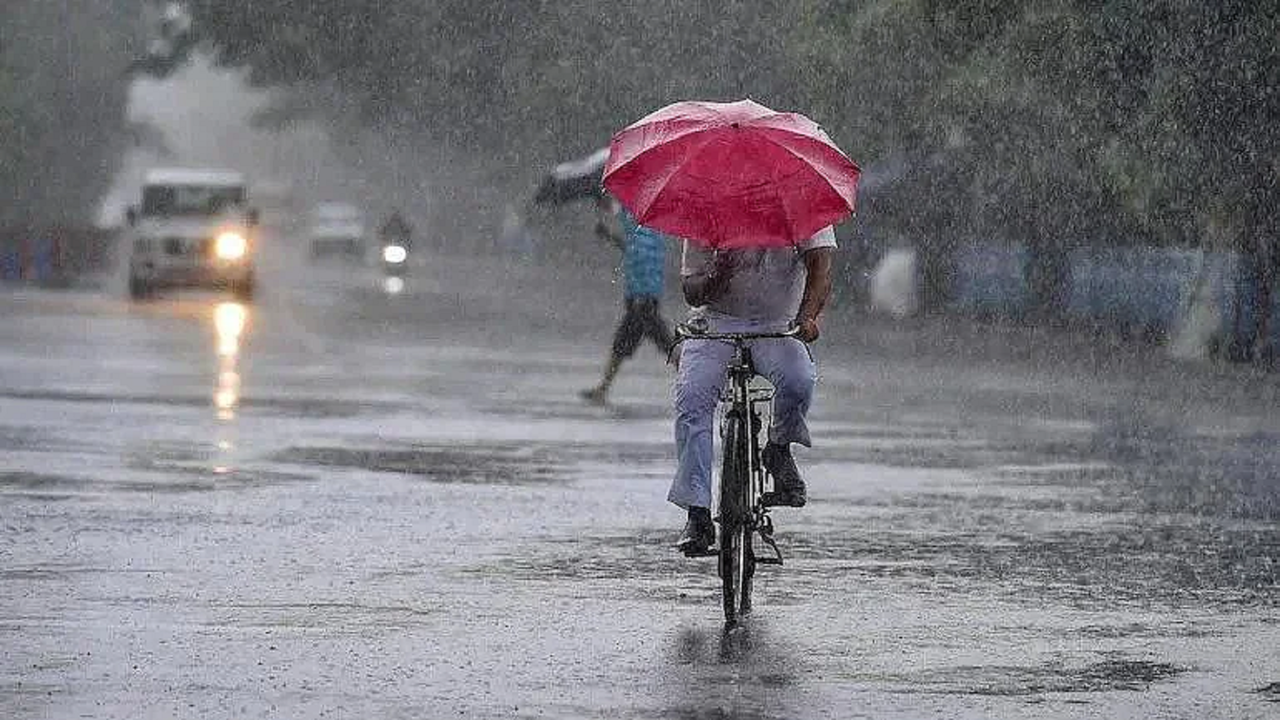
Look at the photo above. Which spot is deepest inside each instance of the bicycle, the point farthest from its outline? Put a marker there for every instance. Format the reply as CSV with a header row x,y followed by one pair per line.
x,y
741,512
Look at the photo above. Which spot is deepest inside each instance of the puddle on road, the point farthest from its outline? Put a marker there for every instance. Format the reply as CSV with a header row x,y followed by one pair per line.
x,y
1149,563
490,464
184,478
1269,692
303,407
33,439
87,396
1129,465
320,408
1182,629
157,466
62,570
46,486
644,556
168,478
744,674
1088,548
560,410
922,447
18,438
334,617
1108,675
1208,476
1132,514
632,455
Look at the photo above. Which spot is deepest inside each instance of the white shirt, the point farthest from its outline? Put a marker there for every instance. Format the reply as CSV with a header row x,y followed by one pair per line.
x,y
766,286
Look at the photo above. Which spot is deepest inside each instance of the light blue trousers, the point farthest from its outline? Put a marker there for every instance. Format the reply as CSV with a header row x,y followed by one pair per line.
x,y
785,362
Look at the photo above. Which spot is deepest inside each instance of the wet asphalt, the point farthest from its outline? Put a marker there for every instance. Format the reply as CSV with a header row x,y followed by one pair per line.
x,y
340,501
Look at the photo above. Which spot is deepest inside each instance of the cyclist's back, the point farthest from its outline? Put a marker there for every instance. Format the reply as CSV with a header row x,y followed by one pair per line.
x,y
765,288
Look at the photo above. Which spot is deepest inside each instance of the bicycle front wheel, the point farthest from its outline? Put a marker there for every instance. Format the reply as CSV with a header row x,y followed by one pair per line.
x,y
737,562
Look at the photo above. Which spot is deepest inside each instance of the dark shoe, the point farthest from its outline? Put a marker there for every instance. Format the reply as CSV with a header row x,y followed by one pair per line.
x,y
595,396
788,488
699,533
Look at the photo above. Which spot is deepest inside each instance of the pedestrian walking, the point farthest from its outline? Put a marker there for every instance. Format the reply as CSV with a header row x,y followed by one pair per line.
x,y
644,274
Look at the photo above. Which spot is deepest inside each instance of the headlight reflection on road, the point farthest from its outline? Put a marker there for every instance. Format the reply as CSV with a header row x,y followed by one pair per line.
x,y
393,285
228,393
229,320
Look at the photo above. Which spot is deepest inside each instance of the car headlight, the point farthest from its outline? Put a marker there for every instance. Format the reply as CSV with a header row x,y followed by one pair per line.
x,y
230,246
394,254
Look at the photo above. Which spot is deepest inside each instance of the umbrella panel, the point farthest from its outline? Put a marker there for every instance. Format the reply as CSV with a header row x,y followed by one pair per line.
x,y
728,187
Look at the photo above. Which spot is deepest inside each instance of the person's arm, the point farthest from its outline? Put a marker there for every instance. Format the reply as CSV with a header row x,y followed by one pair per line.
x,y
604,231
609,222
817,289
709,282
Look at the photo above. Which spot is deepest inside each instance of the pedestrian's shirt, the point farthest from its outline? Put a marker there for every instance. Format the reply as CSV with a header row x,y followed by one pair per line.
x,y
644,259
766,285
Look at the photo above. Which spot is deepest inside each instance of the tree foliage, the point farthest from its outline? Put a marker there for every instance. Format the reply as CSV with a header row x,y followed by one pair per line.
x,y
1057,122
63,88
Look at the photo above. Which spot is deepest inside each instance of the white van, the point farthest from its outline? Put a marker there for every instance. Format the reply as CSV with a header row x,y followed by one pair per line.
x,y
194,228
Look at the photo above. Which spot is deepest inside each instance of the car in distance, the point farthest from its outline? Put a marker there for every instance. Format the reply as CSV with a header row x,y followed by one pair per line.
x,y
337,229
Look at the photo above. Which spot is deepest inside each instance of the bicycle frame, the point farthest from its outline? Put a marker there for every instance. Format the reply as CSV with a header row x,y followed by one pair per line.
x,y
743,405
742,514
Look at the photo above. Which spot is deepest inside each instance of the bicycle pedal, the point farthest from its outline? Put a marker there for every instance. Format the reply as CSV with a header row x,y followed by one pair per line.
x,y
776,559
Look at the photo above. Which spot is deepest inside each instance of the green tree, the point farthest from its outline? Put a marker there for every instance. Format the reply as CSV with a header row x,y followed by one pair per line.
x,y
1058,123
63,88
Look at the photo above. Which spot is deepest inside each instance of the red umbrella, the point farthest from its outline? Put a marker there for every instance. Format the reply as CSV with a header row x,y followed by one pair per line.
x,y
731,175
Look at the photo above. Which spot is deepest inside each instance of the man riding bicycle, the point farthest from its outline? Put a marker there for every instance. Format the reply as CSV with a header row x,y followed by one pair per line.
x,y
744,291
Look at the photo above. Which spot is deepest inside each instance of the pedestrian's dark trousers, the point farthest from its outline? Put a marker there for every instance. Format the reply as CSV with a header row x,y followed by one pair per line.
x,y
640,320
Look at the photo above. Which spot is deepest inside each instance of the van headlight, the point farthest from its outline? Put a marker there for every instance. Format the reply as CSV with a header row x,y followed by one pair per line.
x,y
230,246
394,254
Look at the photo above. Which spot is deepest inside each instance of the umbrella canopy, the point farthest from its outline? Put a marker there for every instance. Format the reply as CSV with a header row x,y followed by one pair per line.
x,y
574,180
731,175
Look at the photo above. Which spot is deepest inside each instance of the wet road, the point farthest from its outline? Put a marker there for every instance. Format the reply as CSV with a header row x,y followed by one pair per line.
x,y
340,502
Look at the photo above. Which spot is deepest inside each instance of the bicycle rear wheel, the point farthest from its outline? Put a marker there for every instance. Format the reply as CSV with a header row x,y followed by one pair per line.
x,y
737,562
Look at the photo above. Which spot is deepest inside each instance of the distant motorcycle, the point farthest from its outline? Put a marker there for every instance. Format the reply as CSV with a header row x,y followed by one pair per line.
x,y
394,259
393,252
